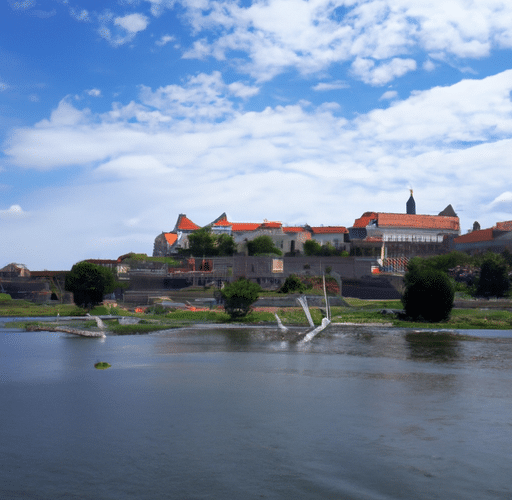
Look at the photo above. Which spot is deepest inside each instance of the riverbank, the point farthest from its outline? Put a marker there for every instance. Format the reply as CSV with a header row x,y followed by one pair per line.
x,y
357,312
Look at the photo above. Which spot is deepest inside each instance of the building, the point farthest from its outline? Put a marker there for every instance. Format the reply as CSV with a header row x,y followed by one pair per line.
x,y
289,240
494,239
336,236
396,237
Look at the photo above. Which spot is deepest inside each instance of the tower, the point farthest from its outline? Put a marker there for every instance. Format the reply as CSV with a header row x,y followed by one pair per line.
x,y
411,205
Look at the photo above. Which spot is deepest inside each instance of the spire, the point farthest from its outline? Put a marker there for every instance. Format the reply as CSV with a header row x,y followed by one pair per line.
x,y
411,205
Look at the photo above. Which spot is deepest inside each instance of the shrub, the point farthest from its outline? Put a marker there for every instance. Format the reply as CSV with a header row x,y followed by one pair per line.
x,y
428,295
493,281
4,297
239,296
89,283
292,284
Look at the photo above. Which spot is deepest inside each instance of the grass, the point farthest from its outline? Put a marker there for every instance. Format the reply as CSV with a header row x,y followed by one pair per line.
x,y
359,311
24,308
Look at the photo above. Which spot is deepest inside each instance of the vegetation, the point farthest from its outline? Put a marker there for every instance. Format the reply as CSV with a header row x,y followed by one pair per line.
x,y
313,248
102,365
133,259
239,297
262,245
292,284
494,280
89,283
428,294
4,297
203,243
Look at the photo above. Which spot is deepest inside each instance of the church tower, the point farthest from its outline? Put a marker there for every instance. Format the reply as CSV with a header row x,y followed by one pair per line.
x,y
411,205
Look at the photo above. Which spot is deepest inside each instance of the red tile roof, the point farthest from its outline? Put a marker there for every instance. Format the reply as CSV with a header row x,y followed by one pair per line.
x,y
365,219
475,236
504,226
223,223
171,238
293,229
271,225
329,229
418,221
185,224
245,226
408,220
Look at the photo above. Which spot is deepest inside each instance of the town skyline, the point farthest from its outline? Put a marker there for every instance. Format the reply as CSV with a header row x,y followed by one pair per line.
x,y
113,120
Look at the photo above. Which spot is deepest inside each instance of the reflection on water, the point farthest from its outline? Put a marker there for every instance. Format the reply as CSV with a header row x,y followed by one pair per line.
x,y
359,413
433,346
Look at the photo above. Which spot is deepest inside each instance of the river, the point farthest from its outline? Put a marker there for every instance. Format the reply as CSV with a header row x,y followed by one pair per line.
x,y
360,413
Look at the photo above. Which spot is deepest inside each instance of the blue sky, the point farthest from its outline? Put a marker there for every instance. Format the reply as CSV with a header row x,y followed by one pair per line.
x,y
117,116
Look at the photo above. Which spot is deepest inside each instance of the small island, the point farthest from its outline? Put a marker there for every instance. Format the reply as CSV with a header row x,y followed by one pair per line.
x,y
102,365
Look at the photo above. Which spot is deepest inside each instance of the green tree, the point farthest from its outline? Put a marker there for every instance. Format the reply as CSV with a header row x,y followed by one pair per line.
x,y
89,283
428,293
262,245
225,245
494,280
202,243
312,247
239,296
292,284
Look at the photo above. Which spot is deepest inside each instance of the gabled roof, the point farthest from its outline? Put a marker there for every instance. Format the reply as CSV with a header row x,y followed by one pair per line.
x,y
365,219
329,230
293,229
271,225
171,238
503,226
245,226
418,221
475,236
185,224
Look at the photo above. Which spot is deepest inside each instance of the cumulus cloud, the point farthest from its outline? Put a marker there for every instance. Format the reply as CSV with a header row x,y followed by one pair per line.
x,y
377,36
194,141
133,23
165,39
334,85
501,200
120,30
93,92
369,72
80,15
390,94
13,212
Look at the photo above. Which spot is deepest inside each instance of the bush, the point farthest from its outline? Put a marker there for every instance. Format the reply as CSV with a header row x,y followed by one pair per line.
x,y
493,281
239,296
89,283
292,284
262,245
428,295
4,297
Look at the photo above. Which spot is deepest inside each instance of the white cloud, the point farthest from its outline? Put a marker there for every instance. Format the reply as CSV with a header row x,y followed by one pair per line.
x,y
192,149
165,39
334,85
384,32
503,199
384,72
123,30
133,23
390,94
13,212
80,15
93,92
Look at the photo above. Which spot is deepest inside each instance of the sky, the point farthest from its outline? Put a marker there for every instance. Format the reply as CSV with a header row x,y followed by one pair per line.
x,y
115,117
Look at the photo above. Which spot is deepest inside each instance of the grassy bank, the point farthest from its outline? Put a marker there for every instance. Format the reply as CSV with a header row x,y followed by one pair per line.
x,y
358,312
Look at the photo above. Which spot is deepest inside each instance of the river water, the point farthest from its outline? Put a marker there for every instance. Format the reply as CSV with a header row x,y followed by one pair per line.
x,y
358,413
